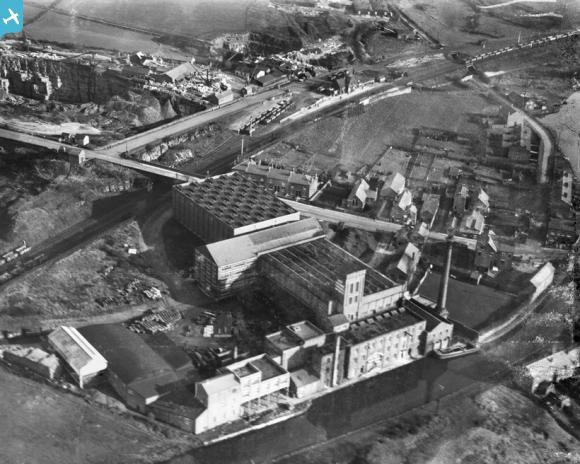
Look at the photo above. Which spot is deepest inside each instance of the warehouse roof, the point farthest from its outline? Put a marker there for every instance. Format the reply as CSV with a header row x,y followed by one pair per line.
x,y
181,71
130,358
322,263
236,200
249,246
76,350
380,324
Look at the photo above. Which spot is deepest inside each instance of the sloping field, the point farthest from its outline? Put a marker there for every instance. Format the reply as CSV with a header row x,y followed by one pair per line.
x,y
42,425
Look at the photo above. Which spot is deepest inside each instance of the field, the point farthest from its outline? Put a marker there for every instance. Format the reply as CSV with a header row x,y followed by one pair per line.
x,y
460,24
351,142
43,425
58,28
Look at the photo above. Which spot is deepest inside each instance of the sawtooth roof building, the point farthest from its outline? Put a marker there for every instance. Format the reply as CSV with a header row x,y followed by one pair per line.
x,y
227,206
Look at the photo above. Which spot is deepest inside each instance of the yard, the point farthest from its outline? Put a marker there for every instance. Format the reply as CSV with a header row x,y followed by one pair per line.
x,y
470,304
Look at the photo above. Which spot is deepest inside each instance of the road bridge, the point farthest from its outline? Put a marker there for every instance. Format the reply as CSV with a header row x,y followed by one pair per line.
x,y
365,223
103,155
547,144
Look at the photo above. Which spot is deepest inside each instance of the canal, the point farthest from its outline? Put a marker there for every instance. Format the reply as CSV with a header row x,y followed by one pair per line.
x,y
352,408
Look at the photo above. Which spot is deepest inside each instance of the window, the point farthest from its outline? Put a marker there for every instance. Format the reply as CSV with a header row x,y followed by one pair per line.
x,y
351,287
357,286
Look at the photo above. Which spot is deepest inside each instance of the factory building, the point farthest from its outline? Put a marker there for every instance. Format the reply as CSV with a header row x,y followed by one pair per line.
x,y
283,182
137,372
243,389
227,206
224,267
384,340
438,330
331,281
289,346
82,358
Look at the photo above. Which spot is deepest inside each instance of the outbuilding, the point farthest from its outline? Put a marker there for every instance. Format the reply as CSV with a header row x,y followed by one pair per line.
x,y
82,358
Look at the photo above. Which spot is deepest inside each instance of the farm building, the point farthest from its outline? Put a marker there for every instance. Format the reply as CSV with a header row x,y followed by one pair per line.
x,y
84,361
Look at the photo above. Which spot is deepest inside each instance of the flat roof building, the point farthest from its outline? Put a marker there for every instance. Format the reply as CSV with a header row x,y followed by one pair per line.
x,y
81,357
383,341
227,206
224,267
242,389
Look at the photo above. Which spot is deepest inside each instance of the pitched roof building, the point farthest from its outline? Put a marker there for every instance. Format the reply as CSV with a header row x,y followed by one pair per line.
x,y
80,356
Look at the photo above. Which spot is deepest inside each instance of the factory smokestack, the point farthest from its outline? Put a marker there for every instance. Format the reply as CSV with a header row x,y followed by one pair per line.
x,y
442,300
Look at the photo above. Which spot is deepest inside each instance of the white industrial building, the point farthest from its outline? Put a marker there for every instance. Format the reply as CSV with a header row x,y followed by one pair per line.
x,y
81,357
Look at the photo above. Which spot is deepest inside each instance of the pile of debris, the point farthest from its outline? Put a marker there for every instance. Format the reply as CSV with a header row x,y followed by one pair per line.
x,y
159,321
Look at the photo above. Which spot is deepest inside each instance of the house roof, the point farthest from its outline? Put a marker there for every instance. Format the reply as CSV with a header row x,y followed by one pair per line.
x,y
474,221
395,182
405,200
76,350
359,191
409,259
250,246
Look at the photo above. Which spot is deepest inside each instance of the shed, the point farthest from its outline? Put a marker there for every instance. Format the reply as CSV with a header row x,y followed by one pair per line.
x,y
80,356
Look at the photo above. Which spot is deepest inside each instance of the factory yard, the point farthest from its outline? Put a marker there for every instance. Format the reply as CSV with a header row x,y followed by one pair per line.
x,y
469,304
43,424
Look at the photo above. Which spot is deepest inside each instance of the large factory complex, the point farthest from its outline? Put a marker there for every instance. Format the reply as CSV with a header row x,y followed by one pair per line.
x,y
364,323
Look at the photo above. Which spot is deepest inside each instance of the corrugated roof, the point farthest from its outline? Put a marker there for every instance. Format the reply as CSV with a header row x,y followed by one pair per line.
x,y
76,349
249,246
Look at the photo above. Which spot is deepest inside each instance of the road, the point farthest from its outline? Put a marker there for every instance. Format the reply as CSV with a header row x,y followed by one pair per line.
x,y
102,155
547,146
180,126
364,223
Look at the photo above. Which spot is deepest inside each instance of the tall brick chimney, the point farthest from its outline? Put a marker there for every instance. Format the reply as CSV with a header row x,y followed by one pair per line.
x,y
442,300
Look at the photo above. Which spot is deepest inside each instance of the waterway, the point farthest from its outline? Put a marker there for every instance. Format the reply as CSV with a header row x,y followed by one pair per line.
x,y
351,408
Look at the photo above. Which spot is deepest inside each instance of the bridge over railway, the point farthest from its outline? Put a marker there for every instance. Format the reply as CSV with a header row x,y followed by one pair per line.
x,y
104,155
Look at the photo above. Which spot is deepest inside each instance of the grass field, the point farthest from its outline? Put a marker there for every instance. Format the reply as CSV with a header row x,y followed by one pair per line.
x,y
470,304
42,425
57,28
